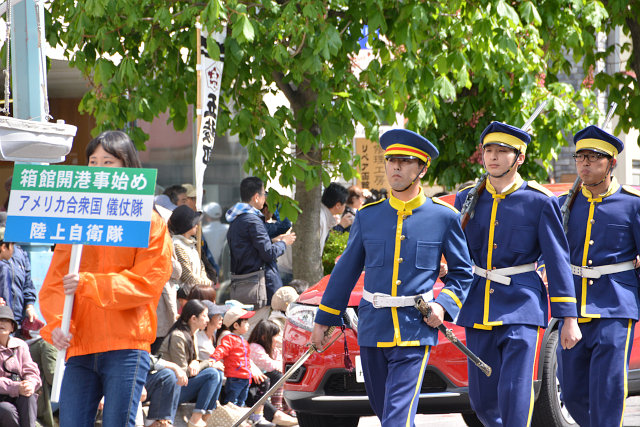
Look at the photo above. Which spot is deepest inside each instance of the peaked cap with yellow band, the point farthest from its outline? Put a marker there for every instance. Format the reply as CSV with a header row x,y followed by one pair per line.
x,y
506,135
595,139
405,143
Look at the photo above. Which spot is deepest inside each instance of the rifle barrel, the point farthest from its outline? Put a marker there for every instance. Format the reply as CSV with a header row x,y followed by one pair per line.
x,y
525,127
609,114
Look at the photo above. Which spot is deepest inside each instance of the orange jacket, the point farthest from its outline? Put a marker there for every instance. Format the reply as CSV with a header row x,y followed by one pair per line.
x,y
116,299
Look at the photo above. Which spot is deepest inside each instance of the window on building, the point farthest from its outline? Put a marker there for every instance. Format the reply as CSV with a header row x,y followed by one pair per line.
x,y
635,172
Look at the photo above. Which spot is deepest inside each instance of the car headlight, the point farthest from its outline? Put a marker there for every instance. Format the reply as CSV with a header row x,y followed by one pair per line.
x,y
302,315
351,318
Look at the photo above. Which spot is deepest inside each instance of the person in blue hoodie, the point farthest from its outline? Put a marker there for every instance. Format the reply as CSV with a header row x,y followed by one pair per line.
x,y
16,287
251,248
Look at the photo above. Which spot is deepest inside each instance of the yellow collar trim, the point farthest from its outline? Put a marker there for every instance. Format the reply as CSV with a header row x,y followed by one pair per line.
x,y
613,187
517,184
598,144
505,138
399,205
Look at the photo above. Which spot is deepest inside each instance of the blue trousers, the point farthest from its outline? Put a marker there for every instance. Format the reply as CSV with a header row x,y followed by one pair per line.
x,y
593,374
117,375
236,391
204,388
163,395
506,397
393,378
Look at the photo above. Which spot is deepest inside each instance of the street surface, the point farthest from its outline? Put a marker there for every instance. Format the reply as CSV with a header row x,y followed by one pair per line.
x,y
631,418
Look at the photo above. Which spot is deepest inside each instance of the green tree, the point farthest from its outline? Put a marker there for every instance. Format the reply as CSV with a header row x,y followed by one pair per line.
x,y
622,84
447,67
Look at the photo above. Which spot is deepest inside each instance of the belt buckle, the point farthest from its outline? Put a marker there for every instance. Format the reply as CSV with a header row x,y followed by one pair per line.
x,y
374,300
596,274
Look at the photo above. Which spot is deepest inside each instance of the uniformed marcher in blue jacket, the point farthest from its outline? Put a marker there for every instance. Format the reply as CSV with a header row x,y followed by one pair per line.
x,y
399,242
604,239
515,222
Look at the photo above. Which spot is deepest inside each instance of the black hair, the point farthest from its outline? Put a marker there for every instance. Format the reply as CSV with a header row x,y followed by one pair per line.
x,y
263,334
355,192
202,292
192,308
233,326
249,187
118,144
299,285
334,194
173,192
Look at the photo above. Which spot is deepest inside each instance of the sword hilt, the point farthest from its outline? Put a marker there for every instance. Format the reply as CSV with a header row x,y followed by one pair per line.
x,y
425,310
327,333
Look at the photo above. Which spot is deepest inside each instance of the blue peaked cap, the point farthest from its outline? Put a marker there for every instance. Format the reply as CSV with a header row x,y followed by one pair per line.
x,y
403,142
505,135
596,139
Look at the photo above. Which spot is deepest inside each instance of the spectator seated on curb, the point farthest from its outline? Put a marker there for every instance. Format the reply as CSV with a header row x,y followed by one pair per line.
x,y
19,376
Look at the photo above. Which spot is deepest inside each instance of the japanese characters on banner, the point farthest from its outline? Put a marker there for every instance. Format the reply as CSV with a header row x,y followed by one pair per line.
x,y
81,205
209,82
372,172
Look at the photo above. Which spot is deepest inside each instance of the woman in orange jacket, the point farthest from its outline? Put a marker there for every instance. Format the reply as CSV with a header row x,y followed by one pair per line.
x,y
114,313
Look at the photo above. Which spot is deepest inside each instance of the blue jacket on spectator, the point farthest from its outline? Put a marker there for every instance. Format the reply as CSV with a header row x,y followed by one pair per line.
x,y
16,286
251,247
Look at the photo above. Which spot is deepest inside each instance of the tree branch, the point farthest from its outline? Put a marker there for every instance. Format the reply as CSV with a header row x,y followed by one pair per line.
x,y
634,31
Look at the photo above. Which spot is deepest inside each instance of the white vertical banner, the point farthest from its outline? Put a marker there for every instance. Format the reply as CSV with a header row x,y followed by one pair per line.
x,y
209,80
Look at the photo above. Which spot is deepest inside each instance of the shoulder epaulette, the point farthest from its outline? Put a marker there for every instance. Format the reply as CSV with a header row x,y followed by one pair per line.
x,y
440,202
372,203
467,187
539,187
564,194
631,190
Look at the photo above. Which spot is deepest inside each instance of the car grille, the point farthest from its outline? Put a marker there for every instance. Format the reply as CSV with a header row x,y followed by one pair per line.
x,y
346,384
297,376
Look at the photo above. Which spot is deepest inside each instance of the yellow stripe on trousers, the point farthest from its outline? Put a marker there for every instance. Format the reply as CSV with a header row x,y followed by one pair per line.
x,y
418,384
626,357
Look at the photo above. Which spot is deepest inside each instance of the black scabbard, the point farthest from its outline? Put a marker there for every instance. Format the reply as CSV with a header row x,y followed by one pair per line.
x,y
425,310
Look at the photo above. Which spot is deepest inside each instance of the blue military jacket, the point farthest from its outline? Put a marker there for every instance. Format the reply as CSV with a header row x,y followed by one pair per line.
x,y
400,245
606,230
510,229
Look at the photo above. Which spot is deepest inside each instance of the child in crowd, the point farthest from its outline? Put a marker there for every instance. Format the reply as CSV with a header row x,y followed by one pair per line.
x,y
265,353
233,351
279,303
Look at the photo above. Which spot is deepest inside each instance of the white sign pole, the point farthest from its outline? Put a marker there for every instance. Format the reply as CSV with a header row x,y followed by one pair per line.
x,y
74,268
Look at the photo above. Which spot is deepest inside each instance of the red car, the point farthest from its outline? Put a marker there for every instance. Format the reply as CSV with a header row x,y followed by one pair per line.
x,y
324,393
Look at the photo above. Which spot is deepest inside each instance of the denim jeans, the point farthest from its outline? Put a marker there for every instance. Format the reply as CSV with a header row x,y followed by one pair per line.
x,y
117,375
163,395
235,390
204,388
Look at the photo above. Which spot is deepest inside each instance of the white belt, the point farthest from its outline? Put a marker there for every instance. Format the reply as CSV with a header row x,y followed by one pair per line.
x,y
380,300
501,275
596,272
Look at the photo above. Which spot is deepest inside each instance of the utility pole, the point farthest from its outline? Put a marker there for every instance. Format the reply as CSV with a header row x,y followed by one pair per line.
x,y
29,93
27,60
